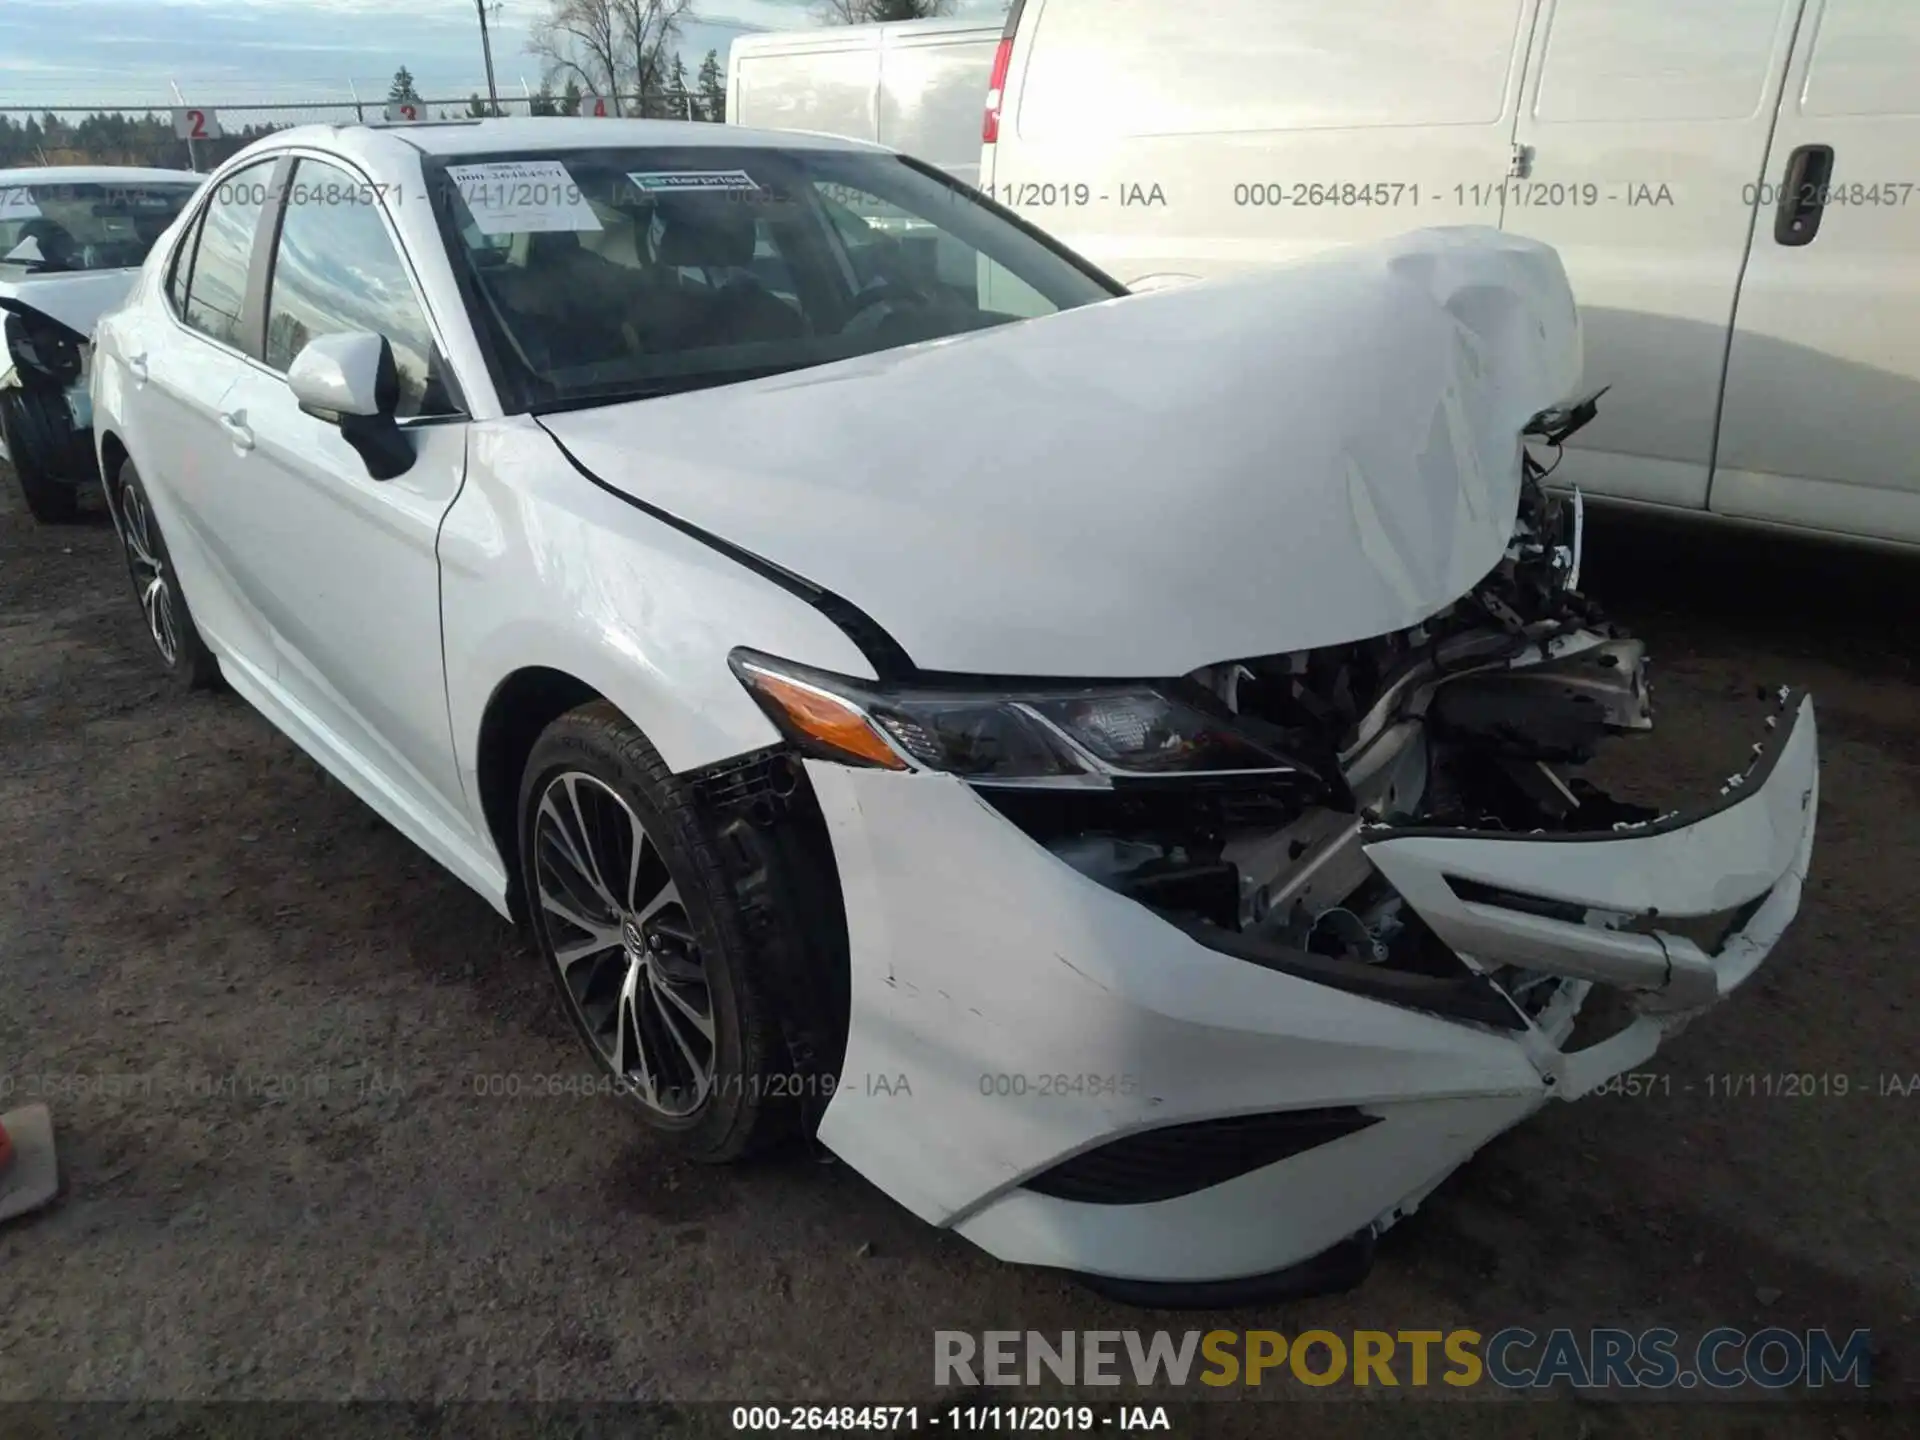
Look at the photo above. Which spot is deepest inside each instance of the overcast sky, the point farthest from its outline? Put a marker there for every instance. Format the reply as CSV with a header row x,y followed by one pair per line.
x,y
125,52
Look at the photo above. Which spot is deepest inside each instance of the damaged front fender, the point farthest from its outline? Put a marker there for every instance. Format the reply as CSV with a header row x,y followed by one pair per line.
x,y
39,348
46,415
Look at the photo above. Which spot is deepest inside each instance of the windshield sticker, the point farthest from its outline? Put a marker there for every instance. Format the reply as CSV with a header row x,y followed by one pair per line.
x,y
519,197
669,182
16,203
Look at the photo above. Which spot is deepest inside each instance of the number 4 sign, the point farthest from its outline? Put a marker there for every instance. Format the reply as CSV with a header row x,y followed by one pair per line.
x,y
194,122
598,106
404,113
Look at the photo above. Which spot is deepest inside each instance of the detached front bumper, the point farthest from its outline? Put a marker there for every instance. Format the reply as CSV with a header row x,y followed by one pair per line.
x,y
1010,1014
1745,854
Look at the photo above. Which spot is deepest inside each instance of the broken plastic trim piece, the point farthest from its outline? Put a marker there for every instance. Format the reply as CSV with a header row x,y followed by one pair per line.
x,y
1752,841
1766,756
1553,426
42,348
1466,996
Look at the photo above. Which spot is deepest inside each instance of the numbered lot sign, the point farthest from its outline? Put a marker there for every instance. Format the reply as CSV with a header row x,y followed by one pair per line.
x,y
599,106
405,112
196,122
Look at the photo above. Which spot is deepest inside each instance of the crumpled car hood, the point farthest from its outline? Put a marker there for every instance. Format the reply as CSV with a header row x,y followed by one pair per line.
x,y
76,300
1300,457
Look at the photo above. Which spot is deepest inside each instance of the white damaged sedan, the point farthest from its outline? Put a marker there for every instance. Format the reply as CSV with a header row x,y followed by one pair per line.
x,y
72,240
1106,765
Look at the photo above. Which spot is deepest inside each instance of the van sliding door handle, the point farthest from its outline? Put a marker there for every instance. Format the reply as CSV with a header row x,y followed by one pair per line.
x,y
1803,195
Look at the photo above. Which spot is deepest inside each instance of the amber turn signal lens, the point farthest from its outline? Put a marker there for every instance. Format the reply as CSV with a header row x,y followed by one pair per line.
x,y
826,720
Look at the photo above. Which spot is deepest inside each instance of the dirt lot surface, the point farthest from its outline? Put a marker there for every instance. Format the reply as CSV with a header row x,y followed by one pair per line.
x,y
266,1023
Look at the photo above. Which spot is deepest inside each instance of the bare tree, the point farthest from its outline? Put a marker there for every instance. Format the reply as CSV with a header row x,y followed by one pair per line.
x,y
868,12
580,41
649,31
610,47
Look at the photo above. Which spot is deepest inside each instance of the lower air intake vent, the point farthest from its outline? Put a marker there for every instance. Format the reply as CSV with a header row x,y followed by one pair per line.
x,y
1182,1159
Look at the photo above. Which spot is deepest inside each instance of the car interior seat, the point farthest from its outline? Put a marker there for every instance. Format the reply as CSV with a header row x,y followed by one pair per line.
x,y
715,234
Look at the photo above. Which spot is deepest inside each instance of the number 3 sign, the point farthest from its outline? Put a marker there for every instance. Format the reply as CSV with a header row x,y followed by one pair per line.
x,y
194,122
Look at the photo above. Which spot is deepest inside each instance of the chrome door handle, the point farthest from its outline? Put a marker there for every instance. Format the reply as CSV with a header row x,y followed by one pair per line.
x,y
235,425
138,365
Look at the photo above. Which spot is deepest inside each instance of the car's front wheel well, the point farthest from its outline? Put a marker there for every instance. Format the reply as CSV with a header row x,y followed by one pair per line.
x,y
766,828
522,706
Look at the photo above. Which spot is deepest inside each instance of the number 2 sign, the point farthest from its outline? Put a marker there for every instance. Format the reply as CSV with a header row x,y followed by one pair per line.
x,y
196,122
406,112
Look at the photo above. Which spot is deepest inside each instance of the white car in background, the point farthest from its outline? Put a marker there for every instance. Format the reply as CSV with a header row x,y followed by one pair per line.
x,y
1106,764
72,239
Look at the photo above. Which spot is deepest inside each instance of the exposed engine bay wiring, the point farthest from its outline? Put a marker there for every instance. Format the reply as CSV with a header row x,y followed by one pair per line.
x,y
1479,717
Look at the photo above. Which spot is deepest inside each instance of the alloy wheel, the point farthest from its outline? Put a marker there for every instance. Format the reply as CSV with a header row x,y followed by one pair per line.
x,y
150,578
623,944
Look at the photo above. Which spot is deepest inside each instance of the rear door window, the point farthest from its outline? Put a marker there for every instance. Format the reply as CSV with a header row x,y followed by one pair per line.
x,y
183,268
217,290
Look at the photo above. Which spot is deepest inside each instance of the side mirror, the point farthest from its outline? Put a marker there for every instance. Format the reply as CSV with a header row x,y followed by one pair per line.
x,y
351,381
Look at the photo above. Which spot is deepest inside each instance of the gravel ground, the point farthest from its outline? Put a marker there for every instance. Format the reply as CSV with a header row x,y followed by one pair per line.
x,y
267,1021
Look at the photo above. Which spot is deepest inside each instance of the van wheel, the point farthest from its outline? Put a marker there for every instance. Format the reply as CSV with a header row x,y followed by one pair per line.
x,y
632,913
155,584
49,499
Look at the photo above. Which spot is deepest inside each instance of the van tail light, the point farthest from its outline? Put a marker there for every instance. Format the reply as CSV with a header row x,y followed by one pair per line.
x,y
996,84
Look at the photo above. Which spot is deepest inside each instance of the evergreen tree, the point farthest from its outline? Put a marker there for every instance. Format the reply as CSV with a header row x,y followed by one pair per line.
x,y
713,89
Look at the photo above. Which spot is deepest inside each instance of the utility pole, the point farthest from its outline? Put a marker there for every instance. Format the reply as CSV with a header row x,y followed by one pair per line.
x,y
486,48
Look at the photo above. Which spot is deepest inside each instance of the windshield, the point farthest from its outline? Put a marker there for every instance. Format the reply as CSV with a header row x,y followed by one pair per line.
x,y
613,273
93,226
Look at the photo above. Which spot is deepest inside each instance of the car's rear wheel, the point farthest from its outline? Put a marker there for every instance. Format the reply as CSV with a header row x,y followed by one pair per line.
x,y
49,499
176,639
630,908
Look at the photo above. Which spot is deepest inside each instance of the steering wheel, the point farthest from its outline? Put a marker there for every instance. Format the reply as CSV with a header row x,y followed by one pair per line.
x,y
881,292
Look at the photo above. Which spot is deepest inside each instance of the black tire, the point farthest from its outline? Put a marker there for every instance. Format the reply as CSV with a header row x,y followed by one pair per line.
x,y
582,758
163,611
49,499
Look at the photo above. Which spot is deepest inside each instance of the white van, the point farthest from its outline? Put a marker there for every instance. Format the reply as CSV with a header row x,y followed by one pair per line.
x,y
916,85
1733,184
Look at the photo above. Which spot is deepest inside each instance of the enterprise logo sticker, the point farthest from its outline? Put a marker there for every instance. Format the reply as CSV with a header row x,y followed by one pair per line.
x,y
662,182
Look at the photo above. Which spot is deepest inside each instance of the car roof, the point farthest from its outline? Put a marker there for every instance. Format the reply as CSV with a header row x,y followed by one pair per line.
x,y
378,145
94,175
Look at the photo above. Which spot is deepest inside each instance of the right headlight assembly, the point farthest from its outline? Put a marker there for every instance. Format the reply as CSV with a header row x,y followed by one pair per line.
x,y
1022,733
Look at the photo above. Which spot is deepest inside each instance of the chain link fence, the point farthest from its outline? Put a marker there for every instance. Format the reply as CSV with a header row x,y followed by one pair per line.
x,y
200,137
